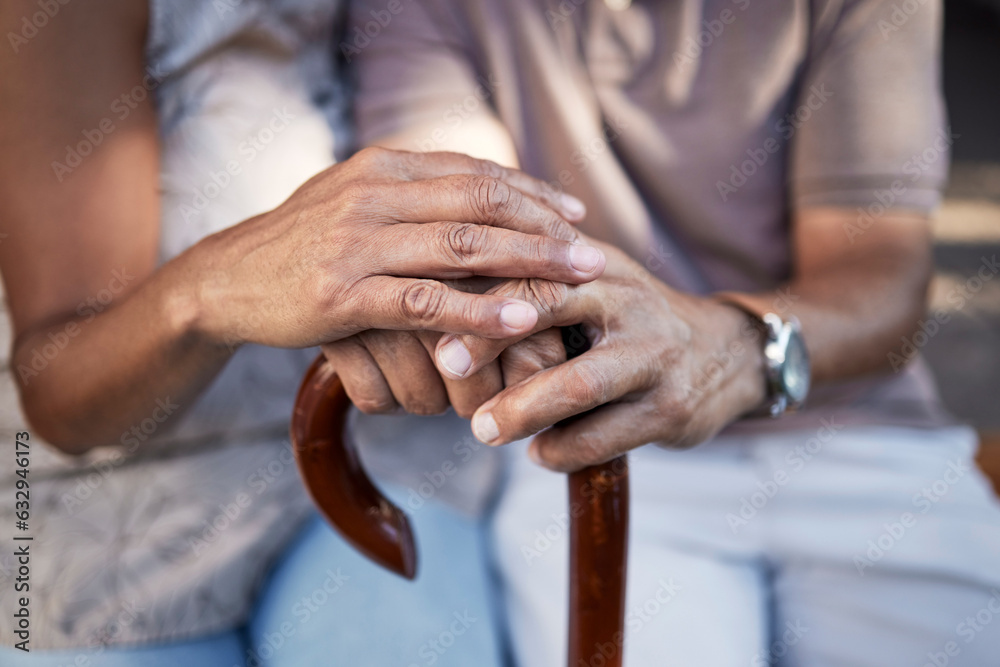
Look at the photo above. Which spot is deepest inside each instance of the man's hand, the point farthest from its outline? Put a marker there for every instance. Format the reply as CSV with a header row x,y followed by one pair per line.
x,y
663,367
387,371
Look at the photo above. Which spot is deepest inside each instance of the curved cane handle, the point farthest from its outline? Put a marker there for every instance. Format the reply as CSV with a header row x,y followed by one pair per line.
x,y
599,499
334,478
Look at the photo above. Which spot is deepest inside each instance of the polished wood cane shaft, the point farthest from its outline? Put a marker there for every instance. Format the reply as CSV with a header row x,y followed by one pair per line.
x,y
598,556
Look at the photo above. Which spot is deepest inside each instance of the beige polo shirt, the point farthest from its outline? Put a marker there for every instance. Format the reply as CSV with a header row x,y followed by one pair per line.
x,y
691,128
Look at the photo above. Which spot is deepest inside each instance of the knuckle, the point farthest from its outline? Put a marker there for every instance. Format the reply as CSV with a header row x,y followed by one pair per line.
x,y
540,250
514,418
548,349
370,156
423,301
524,359
491,198
587,383
358,197
464,241
557,228
477,318
545,295
679,411
324,291
518,366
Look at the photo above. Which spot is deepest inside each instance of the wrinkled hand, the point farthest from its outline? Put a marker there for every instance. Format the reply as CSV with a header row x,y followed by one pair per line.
x,y
387,371
365,245
384,371
663,366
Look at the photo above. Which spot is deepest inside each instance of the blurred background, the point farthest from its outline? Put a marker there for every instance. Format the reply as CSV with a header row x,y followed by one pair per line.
x,y
965,351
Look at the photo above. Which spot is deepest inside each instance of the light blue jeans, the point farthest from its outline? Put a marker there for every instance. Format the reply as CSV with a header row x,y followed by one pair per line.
x,y
860,546
324,604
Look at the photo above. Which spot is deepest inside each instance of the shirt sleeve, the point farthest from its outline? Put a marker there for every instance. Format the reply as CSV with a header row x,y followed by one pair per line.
x,y
414,67
869,125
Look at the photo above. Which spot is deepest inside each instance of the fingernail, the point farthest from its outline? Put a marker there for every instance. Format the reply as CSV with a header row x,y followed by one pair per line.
x,y
584,258
576,208
455,357
485,427
518,316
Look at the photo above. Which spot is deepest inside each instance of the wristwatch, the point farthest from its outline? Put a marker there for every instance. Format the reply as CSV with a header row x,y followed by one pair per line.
x,y
786,359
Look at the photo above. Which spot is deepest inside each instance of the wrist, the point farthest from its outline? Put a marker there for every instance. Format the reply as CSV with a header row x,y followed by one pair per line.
x,y
744,346
786,367
730,379
196,299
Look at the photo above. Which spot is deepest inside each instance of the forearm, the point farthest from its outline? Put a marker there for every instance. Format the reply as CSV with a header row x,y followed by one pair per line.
x,y
856,301
88,378
321,267
854,317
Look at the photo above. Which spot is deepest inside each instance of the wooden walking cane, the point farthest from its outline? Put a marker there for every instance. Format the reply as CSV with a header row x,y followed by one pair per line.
x,y
598,495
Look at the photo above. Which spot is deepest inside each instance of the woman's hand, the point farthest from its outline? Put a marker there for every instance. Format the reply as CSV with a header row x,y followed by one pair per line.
x,y
663,367
366,244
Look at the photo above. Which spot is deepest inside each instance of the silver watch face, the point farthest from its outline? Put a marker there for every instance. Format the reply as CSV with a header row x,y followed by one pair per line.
x,y
795,371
